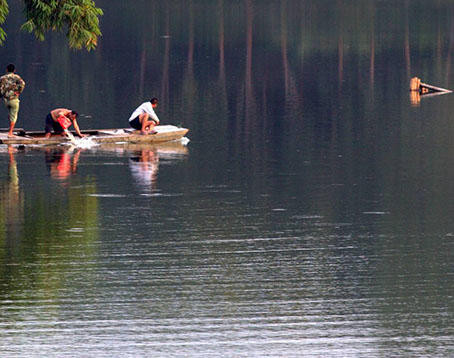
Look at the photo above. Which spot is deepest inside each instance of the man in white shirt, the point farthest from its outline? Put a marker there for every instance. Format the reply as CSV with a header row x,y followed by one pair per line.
x,y
144,117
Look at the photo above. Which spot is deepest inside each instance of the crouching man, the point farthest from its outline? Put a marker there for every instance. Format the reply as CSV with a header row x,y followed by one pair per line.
x,y
144,117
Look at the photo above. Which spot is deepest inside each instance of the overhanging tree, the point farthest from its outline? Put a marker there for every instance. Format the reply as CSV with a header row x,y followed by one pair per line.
x,y
79,17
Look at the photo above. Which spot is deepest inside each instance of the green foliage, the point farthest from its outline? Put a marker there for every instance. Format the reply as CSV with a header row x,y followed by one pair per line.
x,y
79,17
4,10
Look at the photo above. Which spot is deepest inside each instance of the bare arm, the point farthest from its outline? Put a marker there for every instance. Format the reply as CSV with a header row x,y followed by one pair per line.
x,y
76,127
59,112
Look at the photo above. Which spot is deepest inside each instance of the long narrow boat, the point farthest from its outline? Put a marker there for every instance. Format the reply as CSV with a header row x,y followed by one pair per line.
x,y
165,133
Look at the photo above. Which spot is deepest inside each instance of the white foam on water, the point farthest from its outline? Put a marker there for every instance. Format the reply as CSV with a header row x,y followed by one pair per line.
x,y
160,194
85,142
70,135
184,140
107,195
76,229
375,213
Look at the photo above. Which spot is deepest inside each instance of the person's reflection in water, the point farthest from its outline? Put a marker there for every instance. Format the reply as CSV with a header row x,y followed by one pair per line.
x,y
62,163
12,204
144,169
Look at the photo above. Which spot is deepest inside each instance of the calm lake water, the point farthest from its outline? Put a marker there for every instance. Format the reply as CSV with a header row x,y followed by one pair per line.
x,y
310,214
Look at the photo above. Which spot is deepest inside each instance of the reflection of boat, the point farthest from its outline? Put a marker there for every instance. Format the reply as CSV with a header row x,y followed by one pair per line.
x,y
165,149
164,133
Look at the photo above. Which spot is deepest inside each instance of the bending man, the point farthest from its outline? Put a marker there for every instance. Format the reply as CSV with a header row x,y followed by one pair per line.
x,y
144,117
59,120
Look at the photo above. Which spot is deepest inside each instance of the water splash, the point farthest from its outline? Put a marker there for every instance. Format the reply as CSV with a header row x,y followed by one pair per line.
x,y
85,142
184,140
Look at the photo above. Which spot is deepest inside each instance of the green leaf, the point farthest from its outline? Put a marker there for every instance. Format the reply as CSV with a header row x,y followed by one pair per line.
x,y
79,17
4,10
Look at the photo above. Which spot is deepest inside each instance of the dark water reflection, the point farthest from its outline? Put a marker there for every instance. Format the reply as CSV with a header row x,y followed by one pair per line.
x,y
310,215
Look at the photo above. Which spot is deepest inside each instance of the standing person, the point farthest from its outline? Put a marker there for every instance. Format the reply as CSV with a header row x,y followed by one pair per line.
x,y
140,118
59,120
11,86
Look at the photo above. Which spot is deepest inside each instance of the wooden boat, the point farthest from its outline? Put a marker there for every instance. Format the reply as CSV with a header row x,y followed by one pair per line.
x,y
165,133
423,88
420,90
